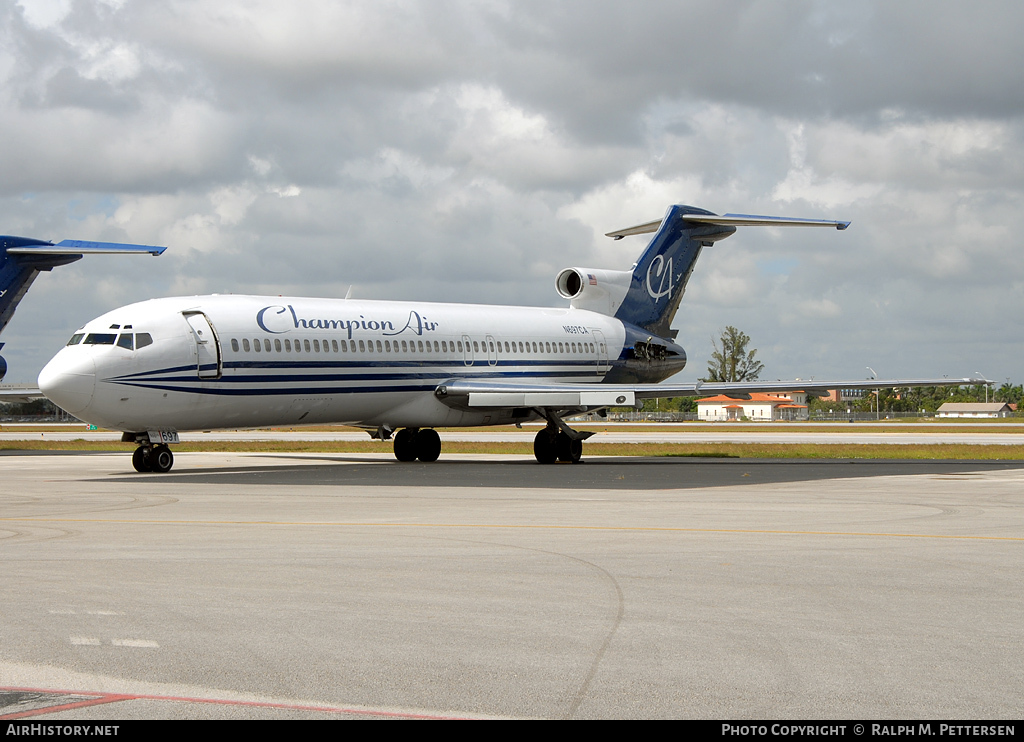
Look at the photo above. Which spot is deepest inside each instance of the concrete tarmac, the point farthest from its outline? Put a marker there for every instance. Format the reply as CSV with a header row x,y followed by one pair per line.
x,y
352,586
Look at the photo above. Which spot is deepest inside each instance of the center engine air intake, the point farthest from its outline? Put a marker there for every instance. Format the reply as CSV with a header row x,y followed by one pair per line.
x,y
592,289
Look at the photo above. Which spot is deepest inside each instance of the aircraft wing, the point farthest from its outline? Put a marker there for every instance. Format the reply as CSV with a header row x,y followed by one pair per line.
x,y
10,394
467,393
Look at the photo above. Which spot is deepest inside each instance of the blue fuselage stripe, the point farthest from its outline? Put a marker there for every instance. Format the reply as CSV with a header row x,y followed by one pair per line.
x,y
374,377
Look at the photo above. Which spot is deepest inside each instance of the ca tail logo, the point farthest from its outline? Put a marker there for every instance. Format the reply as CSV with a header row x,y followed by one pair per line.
x,y
660,271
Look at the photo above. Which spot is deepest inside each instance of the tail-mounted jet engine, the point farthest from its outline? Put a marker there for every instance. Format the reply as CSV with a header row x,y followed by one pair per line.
x,y
595,290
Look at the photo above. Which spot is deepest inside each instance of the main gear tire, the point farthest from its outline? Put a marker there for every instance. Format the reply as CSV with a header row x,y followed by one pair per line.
x,y
568,450
405,444
428,445
544,447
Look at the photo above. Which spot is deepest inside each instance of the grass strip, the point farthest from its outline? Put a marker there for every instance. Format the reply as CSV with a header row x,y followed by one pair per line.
x,y
706,450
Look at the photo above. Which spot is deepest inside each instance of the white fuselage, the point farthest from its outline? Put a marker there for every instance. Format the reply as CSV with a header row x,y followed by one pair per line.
x,y
239,361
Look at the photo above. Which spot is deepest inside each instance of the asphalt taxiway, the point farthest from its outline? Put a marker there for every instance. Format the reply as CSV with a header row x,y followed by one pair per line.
x,y
352,586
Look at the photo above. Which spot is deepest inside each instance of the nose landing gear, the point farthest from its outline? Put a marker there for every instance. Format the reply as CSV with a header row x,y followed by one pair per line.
x,y
158,459
152,455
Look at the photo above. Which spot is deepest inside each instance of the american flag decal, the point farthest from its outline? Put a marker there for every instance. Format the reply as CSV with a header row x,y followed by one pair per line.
x,y
593,279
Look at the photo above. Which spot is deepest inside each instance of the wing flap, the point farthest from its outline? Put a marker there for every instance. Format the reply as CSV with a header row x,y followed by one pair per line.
x,y
554,398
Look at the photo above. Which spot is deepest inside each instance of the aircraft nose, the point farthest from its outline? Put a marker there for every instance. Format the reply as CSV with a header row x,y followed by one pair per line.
x,y
69,382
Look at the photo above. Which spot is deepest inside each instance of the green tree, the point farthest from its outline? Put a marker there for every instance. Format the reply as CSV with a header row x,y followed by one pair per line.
x,y
1009,393
730,360
672,404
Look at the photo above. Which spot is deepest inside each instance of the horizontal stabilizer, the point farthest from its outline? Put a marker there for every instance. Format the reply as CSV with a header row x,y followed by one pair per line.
x,y
732,220
751,220
638,229
83,247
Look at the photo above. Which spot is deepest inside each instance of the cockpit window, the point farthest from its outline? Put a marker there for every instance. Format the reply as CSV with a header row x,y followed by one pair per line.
x,y
76,338
143,339
100,338
126,341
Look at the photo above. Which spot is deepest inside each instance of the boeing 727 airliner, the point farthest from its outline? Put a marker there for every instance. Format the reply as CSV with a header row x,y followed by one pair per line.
x,y
164,366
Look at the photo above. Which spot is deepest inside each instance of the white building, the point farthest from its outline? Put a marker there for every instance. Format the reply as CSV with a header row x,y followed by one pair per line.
x,y
974,409
760,407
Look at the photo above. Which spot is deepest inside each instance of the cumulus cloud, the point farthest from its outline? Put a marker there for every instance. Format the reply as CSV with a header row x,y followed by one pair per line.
x,y
443,150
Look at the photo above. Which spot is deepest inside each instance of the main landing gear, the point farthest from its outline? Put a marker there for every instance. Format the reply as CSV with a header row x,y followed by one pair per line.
x,y
158,459
558,442
413,443
551,445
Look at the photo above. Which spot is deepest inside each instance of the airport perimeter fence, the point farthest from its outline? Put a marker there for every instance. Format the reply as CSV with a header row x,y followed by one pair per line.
x,y
48,418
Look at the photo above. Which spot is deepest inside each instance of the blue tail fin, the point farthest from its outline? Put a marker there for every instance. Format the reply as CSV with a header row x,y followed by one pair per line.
x,y
19,270
661,273
21,259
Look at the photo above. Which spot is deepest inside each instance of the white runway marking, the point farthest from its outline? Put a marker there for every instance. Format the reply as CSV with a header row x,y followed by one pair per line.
x,y
143,643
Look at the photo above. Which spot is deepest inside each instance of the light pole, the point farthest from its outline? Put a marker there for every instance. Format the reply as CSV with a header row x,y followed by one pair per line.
x,y
878,397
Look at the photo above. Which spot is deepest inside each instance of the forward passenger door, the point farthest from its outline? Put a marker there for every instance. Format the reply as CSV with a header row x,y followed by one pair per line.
x,y
208,355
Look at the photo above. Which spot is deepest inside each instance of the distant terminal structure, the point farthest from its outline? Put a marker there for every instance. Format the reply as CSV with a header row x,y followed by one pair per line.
x,y
975,409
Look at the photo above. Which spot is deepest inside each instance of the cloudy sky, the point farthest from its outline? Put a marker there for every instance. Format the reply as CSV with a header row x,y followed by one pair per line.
x,y
468,151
